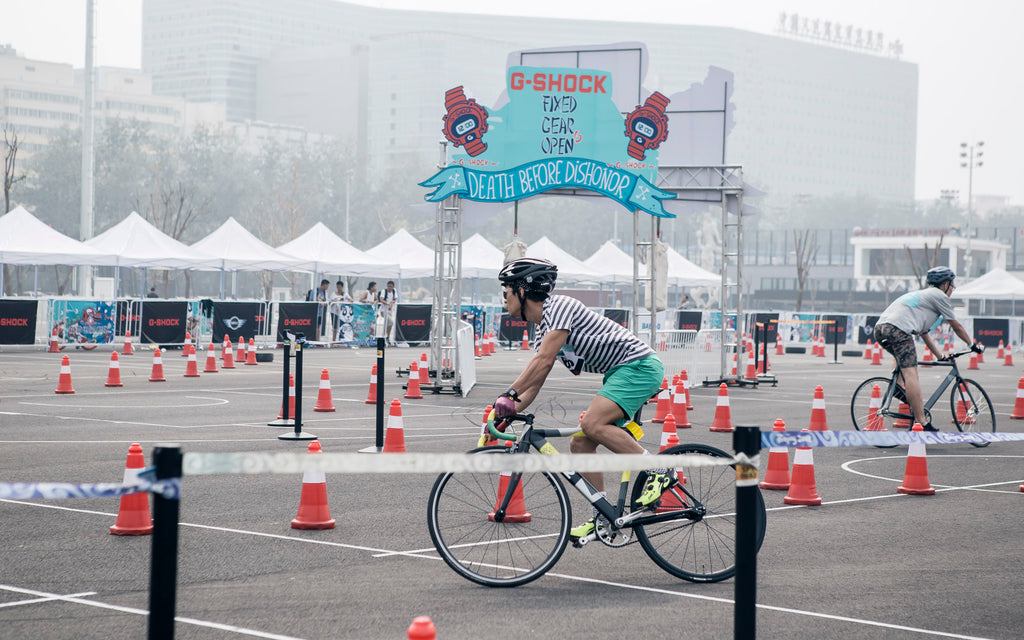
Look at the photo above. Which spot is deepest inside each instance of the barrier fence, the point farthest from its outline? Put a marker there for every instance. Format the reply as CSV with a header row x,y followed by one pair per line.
x,y
163,480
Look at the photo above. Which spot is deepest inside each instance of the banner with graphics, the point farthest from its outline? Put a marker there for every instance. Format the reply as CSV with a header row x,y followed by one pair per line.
x,y
163,322
835,333
991,331
618,316
84,321
689,320
412,322
17,321
511,329
237,319
560,129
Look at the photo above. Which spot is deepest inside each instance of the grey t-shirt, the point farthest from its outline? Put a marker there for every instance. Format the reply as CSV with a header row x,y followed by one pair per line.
x,y
917,312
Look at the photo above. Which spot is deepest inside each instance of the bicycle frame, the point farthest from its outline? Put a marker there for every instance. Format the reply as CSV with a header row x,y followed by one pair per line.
x,y
953,375
537,439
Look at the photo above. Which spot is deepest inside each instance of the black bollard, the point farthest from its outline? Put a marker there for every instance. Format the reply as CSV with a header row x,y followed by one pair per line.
x,y
163,572
747,440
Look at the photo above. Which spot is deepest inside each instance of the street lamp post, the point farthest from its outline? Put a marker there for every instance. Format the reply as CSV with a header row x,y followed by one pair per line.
x,y
970,157
348,191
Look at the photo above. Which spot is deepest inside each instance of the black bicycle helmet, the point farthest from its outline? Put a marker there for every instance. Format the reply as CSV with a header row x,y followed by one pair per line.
x,y
532,274
938,275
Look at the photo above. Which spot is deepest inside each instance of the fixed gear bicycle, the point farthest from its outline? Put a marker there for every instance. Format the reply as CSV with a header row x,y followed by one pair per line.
x,y
509,529
971,410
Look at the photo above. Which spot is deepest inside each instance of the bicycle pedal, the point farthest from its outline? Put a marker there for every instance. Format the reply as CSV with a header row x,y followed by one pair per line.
x,y
579,542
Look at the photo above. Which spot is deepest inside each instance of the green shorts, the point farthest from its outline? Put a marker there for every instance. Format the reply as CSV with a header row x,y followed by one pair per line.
x,y
632,384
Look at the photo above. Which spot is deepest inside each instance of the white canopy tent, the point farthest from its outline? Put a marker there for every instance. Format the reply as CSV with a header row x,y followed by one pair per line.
x,y
325,252
614,261
569,268
683,273
480,258
415,258
238,250
997,284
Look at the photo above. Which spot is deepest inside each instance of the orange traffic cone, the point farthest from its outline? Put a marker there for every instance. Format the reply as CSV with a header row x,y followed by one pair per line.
x,y
64,381
902,423
211,360
818,421
371,397
776,476
962,410
779,349
1018,405
250,353
240,355
422,628
1008,362
723,420
127,350
999,352
424,371
974,362
926,361
678,411
133,517
664,402
915,477
875,421
876,354
191,367
412,390
735,358
157,375
669,429
227,358
188,343
686,387
114,373
291,400
476,348
485,433
516,510
868,350
751,367
54,342
324,402
526,341
801,488
394,437
313,511
488,343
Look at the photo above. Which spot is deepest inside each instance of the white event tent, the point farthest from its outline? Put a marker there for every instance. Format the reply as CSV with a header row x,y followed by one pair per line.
x,y
997,284
480,258
614,261
325,252
683,273
569,268
238,250
415,258
27,240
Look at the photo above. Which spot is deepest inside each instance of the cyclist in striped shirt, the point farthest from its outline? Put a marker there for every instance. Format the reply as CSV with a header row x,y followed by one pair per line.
x,y
583,341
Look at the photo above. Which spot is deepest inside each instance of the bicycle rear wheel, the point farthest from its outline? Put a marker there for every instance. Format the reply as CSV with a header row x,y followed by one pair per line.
x,y
972,410
701,548
531,539
860,403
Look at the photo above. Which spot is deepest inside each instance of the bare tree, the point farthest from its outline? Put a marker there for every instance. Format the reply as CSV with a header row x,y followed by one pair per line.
x,y
930,260
806,247
172,208
282,221
10,179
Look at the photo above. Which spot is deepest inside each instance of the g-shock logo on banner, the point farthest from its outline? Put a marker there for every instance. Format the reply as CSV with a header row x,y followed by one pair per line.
x,y
465,122
234,323
647,126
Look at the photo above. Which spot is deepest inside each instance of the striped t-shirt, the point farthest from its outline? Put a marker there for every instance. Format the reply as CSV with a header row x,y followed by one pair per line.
x,y
595,343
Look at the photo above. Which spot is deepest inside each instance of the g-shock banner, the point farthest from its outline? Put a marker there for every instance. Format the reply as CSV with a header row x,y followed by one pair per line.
x,y
163,322
17,321
990,331
237,319
412,323
559,129
295,318
511,329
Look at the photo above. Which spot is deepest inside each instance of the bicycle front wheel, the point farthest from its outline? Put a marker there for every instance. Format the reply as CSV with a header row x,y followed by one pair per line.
x,y
520,548
972,410
860,403
699,546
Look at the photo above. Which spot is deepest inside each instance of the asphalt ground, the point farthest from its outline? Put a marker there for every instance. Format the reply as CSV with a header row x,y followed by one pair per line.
x,y
867,563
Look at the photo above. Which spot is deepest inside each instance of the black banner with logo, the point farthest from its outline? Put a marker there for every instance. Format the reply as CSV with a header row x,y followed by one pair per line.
x,y
511,329
297,317
689,320
17,321
618,316
835,332
769,322
129,315
989,331
867,331
163,322
412,323
237,319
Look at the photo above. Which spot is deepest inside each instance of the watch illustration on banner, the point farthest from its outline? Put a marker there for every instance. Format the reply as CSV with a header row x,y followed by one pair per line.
x,y
465,123
647,126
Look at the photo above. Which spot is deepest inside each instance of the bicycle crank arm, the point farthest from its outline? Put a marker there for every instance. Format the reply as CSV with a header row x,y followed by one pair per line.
x,y
645,518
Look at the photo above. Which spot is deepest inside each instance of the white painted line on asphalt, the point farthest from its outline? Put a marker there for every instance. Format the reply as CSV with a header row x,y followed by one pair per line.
x,y
46,599
142,612
212,402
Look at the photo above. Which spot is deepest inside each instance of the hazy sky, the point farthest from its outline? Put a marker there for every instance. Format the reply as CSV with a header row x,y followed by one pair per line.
x,y
968,56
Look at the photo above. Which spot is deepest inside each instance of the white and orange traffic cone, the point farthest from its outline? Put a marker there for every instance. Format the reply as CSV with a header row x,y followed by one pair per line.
x,y
801,488
868,350
250,353
686,386
668,429
157,374
394,436
424,370
875,422
477,353
973,362
876,354
678,410
412,390
422,628
324,401
779,349
1008,362
127,350
185,346
291,400
818,419
64,381
211,360
723,419
902,423
526,342
999,353
227,357
371,397
240,354
927,360
915,477
114,372
133,518
313,511
751,366
54,342
1018,405
191,366
516,510
485,433
963,411
664,402
776,476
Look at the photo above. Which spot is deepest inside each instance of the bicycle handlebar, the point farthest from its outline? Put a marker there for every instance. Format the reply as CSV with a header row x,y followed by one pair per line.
x,y
501,435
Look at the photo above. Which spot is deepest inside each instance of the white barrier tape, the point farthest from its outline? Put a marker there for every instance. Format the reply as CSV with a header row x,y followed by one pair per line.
x,y
878,438
433,463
